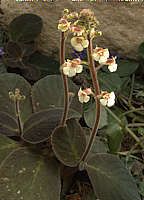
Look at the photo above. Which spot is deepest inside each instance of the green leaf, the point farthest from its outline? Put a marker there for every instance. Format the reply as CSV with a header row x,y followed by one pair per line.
x,y
48,92
110,179
46,64
25,28
31,72
90,116
14,49
28,176
109,81
141,50
69,143
141,131
39,126
7,147
8,83
126,67
115,131
8,125
2,68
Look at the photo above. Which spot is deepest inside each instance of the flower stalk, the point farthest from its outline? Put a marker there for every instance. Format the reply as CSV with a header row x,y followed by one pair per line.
x,y
97,92
65,81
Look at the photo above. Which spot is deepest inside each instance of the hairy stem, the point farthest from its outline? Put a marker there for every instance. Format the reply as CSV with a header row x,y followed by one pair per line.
x,y
18,117
96,88
65,81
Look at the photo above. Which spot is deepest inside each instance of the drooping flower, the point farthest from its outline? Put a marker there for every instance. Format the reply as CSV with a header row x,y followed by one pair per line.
x,y
63,25
83,95
1,51
71,67
112,66
107,99
79,43
100,54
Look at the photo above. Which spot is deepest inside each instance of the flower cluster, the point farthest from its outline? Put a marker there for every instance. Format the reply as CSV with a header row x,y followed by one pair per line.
x,y
71,67
80,26
102,56
106,99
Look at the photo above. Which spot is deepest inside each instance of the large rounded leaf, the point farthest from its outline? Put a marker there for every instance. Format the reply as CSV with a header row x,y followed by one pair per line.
x,y
8,83
14,49
46,64
90,116
126,67
25,27
39,126
109,81
26,175
110,179
69,143
8,125
48,92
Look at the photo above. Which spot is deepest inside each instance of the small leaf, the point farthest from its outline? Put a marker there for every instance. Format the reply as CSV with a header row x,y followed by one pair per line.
x,y
69,143
110,179
25,28
48,92
28,176
141,131
8,125
39,126
126,67
90,116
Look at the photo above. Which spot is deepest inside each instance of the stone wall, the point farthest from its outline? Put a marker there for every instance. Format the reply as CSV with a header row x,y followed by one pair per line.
x,y
121,23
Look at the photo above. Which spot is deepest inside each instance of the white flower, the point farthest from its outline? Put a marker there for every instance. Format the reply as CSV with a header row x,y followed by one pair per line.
x,y
100,54
79,43
108,99
71,67
83,95
112,65
63,25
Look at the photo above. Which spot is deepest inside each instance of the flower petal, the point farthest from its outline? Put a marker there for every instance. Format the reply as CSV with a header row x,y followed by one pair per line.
x,y
112,68
79,68
66,70
85,43
86,99
103,102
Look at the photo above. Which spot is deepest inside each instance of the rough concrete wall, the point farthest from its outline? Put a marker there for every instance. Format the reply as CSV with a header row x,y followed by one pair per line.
x,y
121,23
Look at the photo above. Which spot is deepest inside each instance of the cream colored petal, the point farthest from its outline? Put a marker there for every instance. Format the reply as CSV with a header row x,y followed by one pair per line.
x,y
95,56
103,102
85,43
86,99
112,68
79,68
66,70
110,102
78,47
73,41
72,72
80,92
102,59
81,99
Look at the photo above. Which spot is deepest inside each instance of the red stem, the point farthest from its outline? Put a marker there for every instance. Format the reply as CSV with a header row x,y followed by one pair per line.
x,y
65,81
96,88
